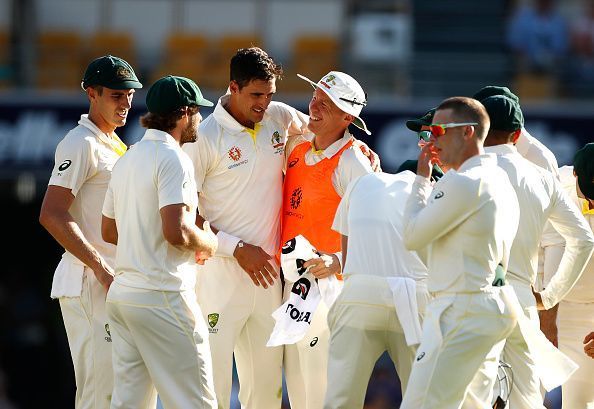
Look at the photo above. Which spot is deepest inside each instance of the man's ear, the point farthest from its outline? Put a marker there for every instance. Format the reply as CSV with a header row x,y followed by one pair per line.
x,y
234,87
349,118
516,136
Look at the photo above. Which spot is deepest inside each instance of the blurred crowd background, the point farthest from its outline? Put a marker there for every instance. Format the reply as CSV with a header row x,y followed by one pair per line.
x,y
407,54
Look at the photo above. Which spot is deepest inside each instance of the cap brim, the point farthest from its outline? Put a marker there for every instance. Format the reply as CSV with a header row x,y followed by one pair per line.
x,y
123,85
203,102
358,122
414,125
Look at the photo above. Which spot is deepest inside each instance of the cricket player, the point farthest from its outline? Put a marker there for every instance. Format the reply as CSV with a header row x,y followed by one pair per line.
x,y
71,213
238,162
320,166
385,291
468,222
160,340
576,310
541,198
551,246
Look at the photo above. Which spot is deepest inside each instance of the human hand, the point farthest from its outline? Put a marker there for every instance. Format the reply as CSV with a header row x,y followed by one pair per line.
x,y
427,157
254,262
323,266
538,298
104,275
589,341
373,157
209,245
548,325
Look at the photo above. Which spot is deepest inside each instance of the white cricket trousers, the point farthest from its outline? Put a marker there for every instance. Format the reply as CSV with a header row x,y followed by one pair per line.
x,y
306,362
575,321
363,324
459,333
90,343
160,345
239,316
526,392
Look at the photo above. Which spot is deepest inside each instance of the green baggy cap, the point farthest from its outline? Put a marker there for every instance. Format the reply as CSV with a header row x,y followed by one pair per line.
x,y
492,90
171,93
505,114
110,72
416,124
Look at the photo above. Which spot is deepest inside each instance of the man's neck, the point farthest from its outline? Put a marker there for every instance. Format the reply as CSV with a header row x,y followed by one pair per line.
x,y
236,114
101,124
323,141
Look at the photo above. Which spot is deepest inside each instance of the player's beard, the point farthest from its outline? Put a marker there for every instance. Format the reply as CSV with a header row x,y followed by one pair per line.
x,y
189,133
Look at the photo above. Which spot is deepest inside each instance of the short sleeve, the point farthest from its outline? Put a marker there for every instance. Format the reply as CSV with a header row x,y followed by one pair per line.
x,y
108,203
201,155
175,182
74,164
341,217
351,165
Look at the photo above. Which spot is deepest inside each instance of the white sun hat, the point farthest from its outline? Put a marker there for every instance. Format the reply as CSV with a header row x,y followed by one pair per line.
x,y
345,92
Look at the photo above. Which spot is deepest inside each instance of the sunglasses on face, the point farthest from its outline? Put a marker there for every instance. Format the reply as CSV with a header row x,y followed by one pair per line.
x,y
440,129
424,135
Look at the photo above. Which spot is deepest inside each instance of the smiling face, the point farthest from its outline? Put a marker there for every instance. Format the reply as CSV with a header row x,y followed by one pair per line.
x,y
325,118
248,104
109,107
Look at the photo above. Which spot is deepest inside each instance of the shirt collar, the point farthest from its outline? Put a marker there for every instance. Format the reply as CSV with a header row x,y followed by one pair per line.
x,y
115,143
485,159
157,135
334,148
502,149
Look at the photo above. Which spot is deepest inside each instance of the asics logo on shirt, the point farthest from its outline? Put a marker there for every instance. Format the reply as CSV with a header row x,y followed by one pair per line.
x,y
65,165
439,195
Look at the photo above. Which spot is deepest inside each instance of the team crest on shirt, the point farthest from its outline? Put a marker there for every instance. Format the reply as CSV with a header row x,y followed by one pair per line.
x,y
108,337
213,319
277,142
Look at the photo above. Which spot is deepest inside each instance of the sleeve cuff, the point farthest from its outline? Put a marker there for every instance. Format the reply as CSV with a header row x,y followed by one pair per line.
x,y
547,301
227,244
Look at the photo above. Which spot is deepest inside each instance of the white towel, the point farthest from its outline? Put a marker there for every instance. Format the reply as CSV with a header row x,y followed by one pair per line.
x,y
552,365
404,295
293,318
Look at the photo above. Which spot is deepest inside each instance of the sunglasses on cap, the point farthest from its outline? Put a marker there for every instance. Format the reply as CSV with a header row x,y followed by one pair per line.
x,y
440,129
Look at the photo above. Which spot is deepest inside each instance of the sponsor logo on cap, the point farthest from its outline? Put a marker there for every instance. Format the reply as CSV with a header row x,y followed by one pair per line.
x,y
123,73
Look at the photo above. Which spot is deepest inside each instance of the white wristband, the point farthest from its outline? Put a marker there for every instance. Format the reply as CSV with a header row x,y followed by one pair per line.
x,y
227,244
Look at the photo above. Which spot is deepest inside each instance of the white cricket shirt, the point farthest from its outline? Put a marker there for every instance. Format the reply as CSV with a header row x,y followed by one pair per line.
x,y
469,221
371,215
536,152
239,177
153,174
542,198
583,291
83,163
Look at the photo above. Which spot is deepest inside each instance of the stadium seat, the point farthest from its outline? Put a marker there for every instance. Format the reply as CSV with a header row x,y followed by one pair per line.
x,y
59,60
185,54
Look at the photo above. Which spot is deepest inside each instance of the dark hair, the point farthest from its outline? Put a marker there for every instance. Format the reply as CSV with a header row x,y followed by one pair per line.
x,y
98,88
253,63
468,110
165,122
